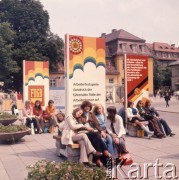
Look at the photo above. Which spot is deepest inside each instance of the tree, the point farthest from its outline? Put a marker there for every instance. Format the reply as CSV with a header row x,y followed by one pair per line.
x,y
54,50
162,75
7,64
33,39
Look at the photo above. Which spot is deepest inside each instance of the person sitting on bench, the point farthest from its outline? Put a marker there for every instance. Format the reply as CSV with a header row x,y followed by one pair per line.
x,y
50,110
153,124
152,110
134,117
70,134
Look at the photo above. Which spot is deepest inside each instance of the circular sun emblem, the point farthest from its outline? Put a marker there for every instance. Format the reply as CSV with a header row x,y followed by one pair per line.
x,y
137,91
76,45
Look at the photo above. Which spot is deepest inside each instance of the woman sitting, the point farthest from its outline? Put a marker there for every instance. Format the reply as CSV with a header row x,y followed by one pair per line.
x,y
115,128
27,114
152,110
153,125
70,134
37,112
92,122
134,117
50,110
60,122
98,111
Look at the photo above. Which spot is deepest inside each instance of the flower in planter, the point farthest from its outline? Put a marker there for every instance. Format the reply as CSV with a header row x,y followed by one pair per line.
x,y
5,115
12,128
65,170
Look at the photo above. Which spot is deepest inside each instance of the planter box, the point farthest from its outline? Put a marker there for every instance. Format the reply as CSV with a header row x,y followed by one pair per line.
x,y
6,122
14,136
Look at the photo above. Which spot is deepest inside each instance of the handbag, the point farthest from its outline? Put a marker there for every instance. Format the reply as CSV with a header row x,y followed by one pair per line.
x,y
127,159
16,111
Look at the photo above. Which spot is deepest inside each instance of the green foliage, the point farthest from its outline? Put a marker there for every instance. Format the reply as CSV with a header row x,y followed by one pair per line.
x,y
7,64
12,128
54,49
32,39
5,115
43,170
162,76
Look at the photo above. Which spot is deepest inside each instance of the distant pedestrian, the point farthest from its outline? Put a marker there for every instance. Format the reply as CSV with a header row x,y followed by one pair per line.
x,y
167,99
155,94
14,101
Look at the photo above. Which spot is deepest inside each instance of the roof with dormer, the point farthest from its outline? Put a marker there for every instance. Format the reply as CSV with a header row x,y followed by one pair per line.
x,y
165,47
121,34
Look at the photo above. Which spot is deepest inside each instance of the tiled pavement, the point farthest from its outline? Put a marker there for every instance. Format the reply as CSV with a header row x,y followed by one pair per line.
x,y
15,157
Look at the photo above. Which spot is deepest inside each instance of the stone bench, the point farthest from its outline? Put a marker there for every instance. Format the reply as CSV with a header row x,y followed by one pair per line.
x,y
71,152
134,130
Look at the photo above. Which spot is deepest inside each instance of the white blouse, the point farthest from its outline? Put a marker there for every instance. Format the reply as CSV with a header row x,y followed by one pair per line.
x,y
118,126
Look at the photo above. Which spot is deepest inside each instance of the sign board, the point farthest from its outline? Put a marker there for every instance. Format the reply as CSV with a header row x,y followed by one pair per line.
x,y
85,70
136,77
57,94
36,81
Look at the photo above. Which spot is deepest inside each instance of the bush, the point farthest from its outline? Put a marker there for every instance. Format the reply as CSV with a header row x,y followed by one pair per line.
x,y
12,128
5,115
66,170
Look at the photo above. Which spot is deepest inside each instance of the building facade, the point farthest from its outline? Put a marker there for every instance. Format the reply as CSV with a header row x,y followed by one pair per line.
x,y
118,43
165,54
175,75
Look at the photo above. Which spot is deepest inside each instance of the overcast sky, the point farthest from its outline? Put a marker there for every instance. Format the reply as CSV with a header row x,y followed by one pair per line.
x,y
152,20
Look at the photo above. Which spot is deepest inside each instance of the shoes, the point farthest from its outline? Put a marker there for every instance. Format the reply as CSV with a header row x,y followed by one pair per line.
x,y
40,131
150,134
172,134
160,135
97,154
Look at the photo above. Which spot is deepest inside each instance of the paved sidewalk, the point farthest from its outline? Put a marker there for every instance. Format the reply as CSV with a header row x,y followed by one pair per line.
x,y
160,104
14,158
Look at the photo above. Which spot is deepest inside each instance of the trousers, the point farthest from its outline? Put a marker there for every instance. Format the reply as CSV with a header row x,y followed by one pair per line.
x,y
86,147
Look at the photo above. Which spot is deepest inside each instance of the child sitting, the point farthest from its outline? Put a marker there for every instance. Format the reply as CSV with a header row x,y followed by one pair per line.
x,y
60,122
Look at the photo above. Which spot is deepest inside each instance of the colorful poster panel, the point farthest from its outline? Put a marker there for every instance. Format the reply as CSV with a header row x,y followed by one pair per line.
x,y
36,81
85,70
136,77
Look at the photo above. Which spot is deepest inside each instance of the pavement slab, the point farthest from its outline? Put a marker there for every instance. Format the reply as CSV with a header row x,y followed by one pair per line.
x,y
14,158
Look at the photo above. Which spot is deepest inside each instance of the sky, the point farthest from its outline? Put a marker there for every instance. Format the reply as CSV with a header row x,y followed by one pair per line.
x,y
152,20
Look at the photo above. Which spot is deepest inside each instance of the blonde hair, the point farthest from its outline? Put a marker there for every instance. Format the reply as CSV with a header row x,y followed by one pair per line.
x,y
27,103
96,107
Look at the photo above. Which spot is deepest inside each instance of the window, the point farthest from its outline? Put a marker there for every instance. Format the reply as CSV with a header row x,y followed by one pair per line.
x,y
175,55
158,54
111,80
52,82
142,47
123,47
122,81
133,47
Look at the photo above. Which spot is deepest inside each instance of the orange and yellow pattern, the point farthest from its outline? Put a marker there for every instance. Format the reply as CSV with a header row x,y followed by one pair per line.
x,y
34,69
83,50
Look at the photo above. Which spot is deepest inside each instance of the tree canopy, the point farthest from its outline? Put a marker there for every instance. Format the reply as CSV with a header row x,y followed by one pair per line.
x,y
32,38
7,64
